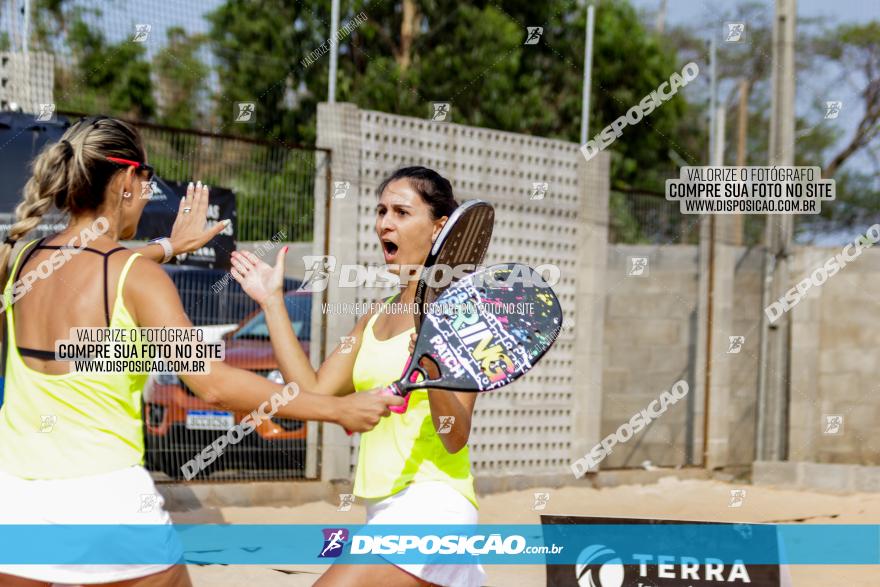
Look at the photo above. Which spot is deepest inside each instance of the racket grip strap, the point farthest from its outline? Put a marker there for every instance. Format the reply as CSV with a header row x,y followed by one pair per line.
x,y
393,390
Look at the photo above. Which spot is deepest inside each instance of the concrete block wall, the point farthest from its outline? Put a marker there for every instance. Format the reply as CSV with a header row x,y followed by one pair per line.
x,y
626,338
541,423
836,357
824,477
339,129
651,341
650,323
743,372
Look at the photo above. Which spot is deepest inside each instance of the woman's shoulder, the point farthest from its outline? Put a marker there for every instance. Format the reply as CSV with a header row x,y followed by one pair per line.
x,y
374,309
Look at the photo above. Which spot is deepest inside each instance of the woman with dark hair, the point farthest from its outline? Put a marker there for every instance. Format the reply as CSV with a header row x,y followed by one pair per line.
x,y
407,472
71,444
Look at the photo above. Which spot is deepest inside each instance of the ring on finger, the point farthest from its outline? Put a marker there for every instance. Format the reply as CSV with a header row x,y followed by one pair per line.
x,y
187,210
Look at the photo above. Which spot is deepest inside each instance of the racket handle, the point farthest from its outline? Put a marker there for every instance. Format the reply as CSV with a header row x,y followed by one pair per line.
x,y
394,390
391,390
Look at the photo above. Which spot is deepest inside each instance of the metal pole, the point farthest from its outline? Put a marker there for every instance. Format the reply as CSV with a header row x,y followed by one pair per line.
x,y
661,18
588,74
741,158
334,51
716,160
713,95
13,27
27,26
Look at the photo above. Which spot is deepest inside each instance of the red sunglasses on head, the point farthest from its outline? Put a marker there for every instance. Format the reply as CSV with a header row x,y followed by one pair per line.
x,y
137,166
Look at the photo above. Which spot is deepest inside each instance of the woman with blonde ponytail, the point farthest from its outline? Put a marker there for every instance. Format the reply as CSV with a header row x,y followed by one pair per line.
x,y
71,444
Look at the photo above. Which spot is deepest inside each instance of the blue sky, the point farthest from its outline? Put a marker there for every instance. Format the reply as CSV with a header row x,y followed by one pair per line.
x,y
685,11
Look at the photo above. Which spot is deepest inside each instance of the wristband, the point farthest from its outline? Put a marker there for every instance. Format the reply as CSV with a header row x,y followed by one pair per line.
x,y
165,242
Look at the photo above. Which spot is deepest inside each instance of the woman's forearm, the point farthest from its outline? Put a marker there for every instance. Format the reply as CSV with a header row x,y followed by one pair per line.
x,y
453,434
243,391
152,251
292,360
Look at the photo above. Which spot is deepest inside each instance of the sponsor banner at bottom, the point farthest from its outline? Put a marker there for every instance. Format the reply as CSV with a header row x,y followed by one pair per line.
x,y
666,547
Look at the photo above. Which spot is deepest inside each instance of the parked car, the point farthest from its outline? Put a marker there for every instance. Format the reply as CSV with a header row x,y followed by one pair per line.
x,y
178,424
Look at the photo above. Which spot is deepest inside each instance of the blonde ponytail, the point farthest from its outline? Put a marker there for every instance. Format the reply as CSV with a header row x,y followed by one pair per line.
x,y
48,184
72,175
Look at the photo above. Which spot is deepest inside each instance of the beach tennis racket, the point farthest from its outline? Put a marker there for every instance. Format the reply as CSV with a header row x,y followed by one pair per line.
x,y
485,331
462,241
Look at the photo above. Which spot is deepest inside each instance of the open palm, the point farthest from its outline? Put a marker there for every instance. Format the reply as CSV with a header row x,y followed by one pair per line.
x,y
259,280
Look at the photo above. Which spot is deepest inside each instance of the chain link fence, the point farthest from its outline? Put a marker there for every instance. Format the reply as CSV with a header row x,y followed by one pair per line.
x,y
646,217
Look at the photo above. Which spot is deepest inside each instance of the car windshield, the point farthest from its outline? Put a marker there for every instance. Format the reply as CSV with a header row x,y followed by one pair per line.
x,y
299,312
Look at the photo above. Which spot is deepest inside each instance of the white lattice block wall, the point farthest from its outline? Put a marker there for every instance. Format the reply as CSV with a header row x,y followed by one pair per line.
x,y
26,80
526,428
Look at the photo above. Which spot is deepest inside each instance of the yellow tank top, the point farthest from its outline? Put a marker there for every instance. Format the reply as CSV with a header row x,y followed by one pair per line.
x,y
69,425
403,448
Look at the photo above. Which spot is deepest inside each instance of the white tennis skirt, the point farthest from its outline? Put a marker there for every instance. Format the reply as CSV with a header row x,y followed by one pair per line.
x,y
127,496
430,502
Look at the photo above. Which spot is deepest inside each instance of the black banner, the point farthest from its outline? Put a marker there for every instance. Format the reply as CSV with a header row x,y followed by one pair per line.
x,y
161,210
599,565
22,137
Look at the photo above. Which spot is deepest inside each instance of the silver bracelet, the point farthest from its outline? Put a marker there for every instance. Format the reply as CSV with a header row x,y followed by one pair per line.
x,y
165,242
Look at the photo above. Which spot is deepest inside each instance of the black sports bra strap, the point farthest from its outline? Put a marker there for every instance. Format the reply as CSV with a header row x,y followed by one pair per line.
x,y
62,247
5,347
36,354
50,355
106,297
27,258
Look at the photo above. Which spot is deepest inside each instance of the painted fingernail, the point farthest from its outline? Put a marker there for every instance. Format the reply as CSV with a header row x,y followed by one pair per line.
x,y
285,249
199,184
227,222
190,186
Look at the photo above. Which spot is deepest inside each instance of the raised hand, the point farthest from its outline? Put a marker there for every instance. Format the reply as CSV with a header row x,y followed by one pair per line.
x,y
259,280
189,232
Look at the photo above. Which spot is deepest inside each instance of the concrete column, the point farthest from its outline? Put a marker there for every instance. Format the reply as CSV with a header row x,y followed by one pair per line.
x,y
804,406
589,328
339,129
723,358
777,238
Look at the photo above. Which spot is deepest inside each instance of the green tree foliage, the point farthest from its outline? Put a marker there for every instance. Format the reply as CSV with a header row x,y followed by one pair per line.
x,y
630,63
258,47
182,80
91,74
411,53
111,77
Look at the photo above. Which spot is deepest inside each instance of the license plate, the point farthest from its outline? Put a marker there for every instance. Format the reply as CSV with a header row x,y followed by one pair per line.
x,y
209,420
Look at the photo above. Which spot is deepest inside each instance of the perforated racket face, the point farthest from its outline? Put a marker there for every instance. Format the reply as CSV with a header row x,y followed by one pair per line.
x,y
491,327
461,244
